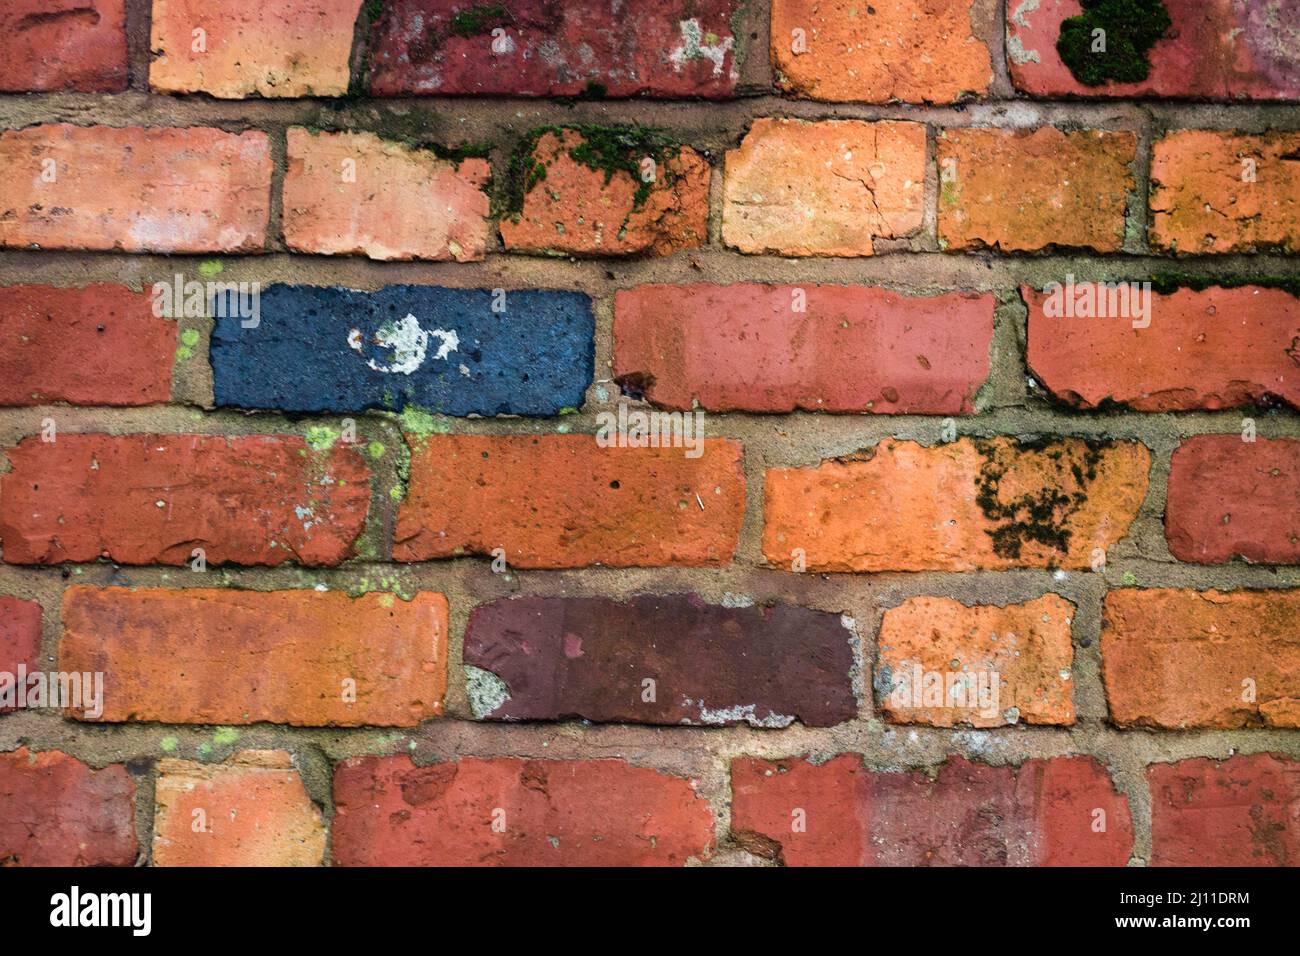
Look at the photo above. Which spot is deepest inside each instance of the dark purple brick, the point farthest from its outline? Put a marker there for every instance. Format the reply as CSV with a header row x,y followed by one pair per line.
x,y
590,658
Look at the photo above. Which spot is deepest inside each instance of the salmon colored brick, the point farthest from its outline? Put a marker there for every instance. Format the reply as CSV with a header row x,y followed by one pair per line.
x,y
571,207
50,45
563,501
1218,348
511,812
20,645
56,811
943,663
307,658
154,499
135,189
916,51
250,811
1176,659
98,345
288,48
1059,812
1215,191
961,506
831,188
1030,190
1229,498
777,348
356,194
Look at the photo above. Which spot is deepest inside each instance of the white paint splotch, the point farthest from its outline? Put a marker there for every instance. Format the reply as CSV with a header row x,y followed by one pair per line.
x,y
408,342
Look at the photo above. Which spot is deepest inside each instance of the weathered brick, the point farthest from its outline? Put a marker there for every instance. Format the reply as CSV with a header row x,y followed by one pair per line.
x,y
1060,812
943,663
56,811
444,350
778,348
288,48
63,45
1230,498
512,812
20,645
135,189
668,48
250,811
1235,812
153,499
917,51
832,188
357,194
1215,191
1178,659
617,506
765,666
1217,348
1029,190
307,658
1219,50
960,506
97,345
571,203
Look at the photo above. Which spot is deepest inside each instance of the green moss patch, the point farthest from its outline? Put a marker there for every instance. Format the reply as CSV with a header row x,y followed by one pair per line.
x,y
1130,29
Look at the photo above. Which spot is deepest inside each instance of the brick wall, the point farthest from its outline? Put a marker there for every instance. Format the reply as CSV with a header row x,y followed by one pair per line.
x,y
969,566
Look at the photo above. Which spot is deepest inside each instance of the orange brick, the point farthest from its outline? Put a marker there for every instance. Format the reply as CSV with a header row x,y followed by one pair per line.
x,y
63,45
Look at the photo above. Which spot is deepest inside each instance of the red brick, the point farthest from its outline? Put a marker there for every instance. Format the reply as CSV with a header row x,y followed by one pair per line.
x,y
1219,348
250,811
63,45
20,643
668,48
285,657
56,811
404,203
854,349
1005,664
833,188
287,48
1041,813
98,345
389,812
135,189
571,207
1178,659
621,507
1028,190
1236,812
153,499
1215,191
917,51
1219,50
961,506
1229,498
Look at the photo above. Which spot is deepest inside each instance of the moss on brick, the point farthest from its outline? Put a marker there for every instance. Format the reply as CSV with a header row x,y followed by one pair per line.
x,y
1167,283
1131,29
477,20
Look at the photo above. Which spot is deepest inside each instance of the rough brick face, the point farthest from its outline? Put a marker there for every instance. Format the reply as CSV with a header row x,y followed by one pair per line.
x,y
250,811
943,663
288,48
1230,498
135,189
839,813
1235,812
357,194
765,666
777,348
306,658
153,499
968,504
56,811
834,188
1217,348
617,506
1176,659
1028,190
20,644
917,51
63,45
510,812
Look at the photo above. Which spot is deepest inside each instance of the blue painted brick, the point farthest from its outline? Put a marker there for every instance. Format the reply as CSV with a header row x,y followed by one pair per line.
x,y
316,349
